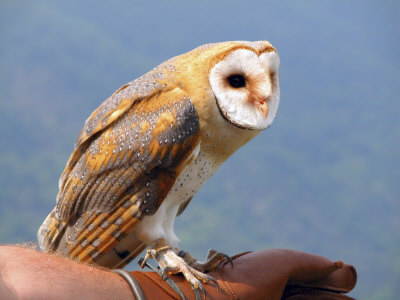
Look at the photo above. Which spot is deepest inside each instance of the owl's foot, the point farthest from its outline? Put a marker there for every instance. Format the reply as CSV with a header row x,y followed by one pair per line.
x,y
170,263
212,260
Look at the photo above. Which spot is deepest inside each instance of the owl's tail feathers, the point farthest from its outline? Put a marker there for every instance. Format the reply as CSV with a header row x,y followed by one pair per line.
x,y
50,232
104,238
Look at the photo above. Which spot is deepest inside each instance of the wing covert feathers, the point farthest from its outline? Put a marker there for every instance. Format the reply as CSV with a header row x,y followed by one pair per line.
x,y
117,105
124,165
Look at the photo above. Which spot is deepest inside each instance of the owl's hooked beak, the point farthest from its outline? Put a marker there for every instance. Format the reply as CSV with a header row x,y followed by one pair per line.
x,y
261,103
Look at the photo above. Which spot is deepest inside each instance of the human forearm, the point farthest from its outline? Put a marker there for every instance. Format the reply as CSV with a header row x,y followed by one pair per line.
x,y
29,274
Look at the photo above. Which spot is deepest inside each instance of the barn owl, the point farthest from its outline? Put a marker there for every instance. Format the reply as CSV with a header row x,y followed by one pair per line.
x,y
144,153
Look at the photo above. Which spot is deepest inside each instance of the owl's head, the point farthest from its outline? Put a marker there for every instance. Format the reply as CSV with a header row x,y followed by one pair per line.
x,y
246,86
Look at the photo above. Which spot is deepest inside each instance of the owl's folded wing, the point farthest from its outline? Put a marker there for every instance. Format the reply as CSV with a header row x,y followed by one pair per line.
x,y
120,172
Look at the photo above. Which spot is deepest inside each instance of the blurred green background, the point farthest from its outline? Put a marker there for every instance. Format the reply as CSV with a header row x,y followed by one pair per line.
x,y
324,178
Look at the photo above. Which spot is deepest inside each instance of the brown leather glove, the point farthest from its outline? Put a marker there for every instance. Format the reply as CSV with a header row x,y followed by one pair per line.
x,y
267,274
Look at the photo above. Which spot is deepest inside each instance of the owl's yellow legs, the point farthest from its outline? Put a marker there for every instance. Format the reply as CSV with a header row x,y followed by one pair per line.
x,y
171,263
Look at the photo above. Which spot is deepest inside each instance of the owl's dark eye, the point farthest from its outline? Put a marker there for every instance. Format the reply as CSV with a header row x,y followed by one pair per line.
x,y
236,81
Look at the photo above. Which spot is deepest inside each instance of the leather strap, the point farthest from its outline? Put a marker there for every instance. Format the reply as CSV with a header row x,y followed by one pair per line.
x,y
133,283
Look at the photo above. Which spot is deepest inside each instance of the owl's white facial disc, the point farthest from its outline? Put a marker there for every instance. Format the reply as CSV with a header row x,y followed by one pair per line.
x,y
246,88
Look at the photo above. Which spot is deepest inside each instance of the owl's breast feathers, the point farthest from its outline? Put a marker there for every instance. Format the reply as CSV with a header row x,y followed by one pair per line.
x,y
127,158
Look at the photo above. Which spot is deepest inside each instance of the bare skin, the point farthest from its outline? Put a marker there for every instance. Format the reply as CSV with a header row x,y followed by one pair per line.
x,y
29,274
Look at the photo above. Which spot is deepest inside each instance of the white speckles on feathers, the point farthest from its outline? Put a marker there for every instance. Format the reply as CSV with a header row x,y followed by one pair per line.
x,y
161,224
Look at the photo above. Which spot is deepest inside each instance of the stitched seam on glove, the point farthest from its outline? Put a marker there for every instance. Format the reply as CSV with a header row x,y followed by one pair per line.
x,y
228,290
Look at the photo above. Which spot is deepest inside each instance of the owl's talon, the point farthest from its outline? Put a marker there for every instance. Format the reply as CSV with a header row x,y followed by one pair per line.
x,y
173,285
215,255
197,293
213,281
164,276
213,258
228,258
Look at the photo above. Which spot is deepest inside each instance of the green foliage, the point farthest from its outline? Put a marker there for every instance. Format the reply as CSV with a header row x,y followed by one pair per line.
x,y
324,178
